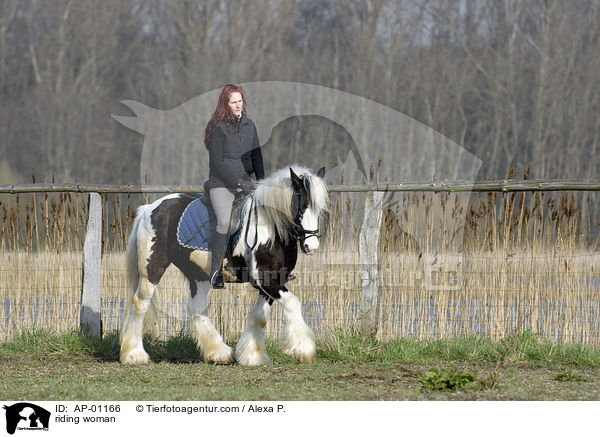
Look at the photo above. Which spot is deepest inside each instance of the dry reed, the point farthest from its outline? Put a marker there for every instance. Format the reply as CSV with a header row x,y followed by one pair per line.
x,y
523,261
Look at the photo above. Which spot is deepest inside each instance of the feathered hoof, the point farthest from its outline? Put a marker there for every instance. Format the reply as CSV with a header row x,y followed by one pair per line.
x,y
305,353
135,356
307,357
224,355
255,357
298,342
256,360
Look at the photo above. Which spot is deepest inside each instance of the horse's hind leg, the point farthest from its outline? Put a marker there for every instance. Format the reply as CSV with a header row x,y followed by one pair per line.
x,y
250,349
146,263
296,338
208,339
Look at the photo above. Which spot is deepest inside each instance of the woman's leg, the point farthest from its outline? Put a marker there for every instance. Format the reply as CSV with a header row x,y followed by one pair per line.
x,y
222,201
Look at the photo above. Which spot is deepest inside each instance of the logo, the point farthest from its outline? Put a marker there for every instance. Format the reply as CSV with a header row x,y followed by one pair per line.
x,y
26,417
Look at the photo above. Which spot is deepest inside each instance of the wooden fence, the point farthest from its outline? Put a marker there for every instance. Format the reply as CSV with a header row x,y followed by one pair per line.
x,y
368,242
505,185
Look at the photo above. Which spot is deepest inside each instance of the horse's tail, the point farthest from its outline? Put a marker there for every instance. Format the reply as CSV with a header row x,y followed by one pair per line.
x,y
133,273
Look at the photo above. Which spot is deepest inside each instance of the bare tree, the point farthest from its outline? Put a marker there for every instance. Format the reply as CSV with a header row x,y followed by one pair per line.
x,y
514,81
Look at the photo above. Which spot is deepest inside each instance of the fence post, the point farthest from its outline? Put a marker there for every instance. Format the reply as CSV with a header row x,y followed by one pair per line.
x,y
91,321
369,262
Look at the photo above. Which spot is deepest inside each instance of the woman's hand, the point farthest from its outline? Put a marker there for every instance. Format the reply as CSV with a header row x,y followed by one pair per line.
x,y
245,186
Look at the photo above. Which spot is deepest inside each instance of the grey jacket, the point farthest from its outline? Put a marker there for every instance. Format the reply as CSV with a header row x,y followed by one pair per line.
x,y
234,154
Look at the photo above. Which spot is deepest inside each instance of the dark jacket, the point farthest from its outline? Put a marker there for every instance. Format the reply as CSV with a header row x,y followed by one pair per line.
x,y
234,154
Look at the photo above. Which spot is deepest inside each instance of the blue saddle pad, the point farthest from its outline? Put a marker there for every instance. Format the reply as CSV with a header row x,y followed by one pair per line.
x,y
197,225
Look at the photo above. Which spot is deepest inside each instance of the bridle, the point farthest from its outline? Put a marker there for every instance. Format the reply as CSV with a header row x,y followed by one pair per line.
x,y
298,232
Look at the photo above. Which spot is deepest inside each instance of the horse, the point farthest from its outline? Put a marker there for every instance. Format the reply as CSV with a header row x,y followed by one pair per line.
x,y
281,213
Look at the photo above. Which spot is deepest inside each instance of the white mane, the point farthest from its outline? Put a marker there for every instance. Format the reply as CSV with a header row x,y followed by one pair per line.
x,y
272,199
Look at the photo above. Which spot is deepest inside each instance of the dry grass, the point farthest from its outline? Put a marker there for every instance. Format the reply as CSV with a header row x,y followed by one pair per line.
x,y
522,262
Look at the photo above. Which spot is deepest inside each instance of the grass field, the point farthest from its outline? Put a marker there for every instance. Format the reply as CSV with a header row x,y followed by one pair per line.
x,y
42,366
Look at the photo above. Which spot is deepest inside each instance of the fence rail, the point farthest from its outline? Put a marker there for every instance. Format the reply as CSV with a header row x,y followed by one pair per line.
x,y
505,185
90,313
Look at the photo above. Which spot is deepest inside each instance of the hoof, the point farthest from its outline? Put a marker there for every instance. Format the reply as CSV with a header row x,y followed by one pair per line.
x,y
136,356
299,343
254,360
224,355
304,353
307,356
252,356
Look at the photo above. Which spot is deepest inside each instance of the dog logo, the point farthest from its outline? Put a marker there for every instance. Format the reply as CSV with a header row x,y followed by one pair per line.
x,y
26,416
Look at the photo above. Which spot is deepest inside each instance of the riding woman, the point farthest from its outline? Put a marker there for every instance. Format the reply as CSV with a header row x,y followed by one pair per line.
x,y
234,152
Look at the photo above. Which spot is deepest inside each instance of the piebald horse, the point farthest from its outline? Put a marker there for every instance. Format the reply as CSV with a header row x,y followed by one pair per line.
x,y
280,214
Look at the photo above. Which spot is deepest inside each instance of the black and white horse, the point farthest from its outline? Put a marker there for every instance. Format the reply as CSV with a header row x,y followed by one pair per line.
x,y
282,212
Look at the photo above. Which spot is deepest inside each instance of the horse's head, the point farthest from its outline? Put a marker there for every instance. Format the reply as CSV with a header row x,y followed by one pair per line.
x,y
287,204
309,199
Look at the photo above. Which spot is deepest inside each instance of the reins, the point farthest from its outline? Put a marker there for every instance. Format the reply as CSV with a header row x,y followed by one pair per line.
x,y
252,206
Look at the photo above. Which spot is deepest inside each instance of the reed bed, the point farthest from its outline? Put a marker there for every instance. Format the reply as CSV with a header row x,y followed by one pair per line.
x,y
521,262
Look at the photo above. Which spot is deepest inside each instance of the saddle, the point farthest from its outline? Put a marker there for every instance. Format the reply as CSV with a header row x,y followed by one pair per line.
x,y
198,223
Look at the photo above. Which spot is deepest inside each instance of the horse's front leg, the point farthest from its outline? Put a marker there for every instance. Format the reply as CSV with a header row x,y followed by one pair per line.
x,y
208,339
250,349
296,339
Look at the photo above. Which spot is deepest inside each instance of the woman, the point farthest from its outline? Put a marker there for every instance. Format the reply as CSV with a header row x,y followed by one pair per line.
x,y
234,151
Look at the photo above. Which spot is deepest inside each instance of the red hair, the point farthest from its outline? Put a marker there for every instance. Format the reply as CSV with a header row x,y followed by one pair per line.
x,y
223,113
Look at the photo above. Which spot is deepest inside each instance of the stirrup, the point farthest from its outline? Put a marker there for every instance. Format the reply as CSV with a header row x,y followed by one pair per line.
x,y
217,280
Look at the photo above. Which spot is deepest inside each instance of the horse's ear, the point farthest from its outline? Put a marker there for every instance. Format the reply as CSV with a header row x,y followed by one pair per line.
x,y
321,172
296,182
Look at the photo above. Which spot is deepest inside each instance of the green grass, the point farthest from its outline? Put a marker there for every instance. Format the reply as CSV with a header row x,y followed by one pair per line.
x,y
445,380
524,348
570,377
43,366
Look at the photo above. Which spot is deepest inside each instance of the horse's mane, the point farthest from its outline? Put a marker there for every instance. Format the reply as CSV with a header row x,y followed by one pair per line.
x,y
272,198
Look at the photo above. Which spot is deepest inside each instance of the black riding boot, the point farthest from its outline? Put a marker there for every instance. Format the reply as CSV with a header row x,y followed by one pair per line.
x,y
218,252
